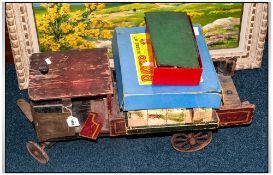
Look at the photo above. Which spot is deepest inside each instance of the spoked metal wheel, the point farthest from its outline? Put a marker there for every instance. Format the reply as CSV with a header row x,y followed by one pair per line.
x,y
37,152
191,142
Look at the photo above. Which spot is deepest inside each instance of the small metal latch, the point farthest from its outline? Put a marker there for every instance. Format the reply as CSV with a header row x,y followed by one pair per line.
x,y
43,68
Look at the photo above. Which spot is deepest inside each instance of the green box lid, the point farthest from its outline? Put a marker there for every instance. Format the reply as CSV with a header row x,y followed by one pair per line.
x,y
172,39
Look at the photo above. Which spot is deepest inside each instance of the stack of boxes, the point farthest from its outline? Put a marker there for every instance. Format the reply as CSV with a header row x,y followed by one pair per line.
x,y
165,81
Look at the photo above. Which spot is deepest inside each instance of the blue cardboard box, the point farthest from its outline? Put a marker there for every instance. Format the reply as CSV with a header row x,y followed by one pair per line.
x,y
134,95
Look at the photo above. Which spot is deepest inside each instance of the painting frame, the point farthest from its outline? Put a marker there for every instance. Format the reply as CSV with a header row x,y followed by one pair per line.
x,y
24,38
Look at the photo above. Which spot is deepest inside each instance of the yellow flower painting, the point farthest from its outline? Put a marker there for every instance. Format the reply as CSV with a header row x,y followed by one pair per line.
x,y
63,26
59,29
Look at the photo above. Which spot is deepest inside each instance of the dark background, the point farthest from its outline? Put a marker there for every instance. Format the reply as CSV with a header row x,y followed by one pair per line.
x,y
8,52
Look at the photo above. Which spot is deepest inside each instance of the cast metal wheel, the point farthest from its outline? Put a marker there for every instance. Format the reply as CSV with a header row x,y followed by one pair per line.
x,y
37,152
191,142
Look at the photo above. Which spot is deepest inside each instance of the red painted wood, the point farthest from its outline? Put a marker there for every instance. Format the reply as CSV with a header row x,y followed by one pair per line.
x,y
236,115
74,73
92,126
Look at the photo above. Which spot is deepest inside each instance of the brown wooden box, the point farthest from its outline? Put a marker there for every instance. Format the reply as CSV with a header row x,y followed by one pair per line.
x,y
66,83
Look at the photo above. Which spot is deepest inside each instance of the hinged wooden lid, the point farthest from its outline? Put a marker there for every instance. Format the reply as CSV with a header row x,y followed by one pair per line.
x,y
74,73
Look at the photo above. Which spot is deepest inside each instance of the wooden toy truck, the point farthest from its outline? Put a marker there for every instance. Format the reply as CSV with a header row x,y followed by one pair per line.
x,y
80,82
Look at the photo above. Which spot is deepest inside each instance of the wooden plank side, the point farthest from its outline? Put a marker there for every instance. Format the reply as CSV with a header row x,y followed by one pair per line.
x,y
99,106
50,118
230,95
116,117
25,108
236,115
74,73
52,126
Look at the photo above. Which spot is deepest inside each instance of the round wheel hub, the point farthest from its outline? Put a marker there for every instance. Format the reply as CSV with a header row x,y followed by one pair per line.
x,y
191,142
37,152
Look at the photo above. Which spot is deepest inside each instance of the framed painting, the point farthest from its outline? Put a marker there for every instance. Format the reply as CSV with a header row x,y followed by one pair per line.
x,y
234,31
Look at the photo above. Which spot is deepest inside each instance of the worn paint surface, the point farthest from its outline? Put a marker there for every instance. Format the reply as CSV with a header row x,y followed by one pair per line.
x,y
50,117
92,126
74,73
116,118
236,115
233,111
52,125
230,94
